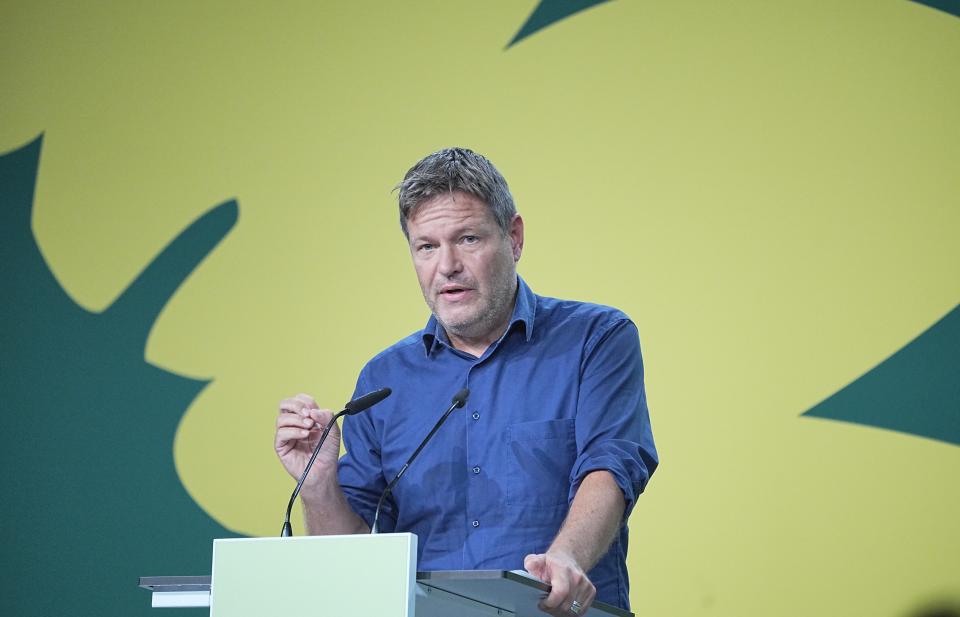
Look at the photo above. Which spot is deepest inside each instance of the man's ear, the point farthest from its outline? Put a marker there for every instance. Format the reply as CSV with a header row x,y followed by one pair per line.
x,y
516,236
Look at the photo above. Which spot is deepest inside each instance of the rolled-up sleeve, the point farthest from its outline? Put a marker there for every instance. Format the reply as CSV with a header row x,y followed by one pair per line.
x,y
360,471
612,425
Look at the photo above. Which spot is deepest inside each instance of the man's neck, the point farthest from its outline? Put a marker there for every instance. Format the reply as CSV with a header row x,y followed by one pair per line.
x,y
477,346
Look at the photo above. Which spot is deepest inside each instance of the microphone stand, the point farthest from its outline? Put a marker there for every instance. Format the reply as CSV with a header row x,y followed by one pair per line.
x,y
459,400
287,530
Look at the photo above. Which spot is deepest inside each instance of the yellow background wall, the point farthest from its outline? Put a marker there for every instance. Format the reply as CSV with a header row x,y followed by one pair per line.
x,y
770,189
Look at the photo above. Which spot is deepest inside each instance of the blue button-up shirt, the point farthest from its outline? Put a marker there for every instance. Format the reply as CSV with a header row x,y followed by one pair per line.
x,y
559,395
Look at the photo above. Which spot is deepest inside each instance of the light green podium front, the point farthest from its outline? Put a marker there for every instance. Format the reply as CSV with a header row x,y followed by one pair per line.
x,y
370,575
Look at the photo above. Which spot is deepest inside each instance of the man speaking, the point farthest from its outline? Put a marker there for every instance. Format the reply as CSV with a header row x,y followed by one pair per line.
x,y
543,466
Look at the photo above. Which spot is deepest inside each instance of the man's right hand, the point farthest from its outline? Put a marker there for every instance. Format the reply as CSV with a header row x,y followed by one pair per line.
x,y
300,423
299,426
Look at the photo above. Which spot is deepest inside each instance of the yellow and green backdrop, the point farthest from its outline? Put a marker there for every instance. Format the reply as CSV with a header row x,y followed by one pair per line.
x,y
196,220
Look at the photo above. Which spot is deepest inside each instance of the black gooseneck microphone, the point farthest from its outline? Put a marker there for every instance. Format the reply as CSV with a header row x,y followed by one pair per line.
x,y
355,406
459,400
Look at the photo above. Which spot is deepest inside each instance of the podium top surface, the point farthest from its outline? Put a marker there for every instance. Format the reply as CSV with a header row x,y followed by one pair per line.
x,y
504,589
167,584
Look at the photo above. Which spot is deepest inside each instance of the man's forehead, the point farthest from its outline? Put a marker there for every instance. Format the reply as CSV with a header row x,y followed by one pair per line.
x,y
455,208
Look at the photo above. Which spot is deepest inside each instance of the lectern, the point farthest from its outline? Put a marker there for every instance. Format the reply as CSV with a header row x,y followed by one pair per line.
x,y
362,575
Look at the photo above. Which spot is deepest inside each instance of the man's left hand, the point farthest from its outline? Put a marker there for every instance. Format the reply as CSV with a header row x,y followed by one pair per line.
x,y
571,591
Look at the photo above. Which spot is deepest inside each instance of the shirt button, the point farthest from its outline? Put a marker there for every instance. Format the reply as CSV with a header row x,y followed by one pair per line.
x,y
476,415
476,470
475,523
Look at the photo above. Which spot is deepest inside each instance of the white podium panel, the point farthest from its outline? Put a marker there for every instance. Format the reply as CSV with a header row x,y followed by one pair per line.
x,y
369,575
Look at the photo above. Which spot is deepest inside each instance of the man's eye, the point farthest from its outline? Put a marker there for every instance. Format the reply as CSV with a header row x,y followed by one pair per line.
x,y
425,247
470,239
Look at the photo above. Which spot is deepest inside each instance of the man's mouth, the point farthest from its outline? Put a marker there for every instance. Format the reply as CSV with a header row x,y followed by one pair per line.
x,y
454,292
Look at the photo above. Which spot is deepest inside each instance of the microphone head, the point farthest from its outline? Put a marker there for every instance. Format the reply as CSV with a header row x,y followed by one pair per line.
x,y
460,398
367,400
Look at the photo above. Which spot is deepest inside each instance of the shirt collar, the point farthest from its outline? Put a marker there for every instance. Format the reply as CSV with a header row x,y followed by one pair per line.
x,y
524,311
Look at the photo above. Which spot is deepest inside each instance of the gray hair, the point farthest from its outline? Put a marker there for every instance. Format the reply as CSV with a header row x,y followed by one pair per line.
x,y
456,169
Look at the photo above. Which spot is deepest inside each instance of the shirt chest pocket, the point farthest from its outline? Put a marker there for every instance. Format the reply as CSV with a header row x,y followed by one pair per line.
x,y
543,454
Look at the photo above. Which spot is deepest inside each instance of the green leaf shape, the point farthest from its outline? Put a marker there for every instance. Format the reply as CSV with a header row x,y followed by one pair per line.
x,y
88,424
947,6
915,391
549,12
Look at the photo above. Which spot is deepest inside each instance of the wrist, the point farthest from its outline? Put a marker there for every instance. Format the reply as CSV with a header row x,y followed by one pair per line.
x,y
563,553
319,485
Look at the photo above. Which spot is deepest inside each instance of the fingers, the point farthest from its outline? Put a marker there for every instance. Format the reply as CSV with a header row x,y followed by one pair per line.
x,y
299,404
293,433
560,601
295,421
317,418
292,428
300,423
302,405
299,418
307,400
534,564
568,584
556,601
586,595
321,416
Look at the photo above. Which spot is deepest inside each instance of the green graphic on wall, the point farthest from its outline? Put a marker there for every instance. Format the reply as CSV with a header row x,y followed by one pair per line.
x,y
88,426
947,6
549,12
916,390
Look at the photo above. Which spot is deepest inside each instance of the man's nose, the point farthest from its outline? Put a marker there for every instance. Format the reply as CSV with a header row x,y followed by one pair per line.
x,y
450,264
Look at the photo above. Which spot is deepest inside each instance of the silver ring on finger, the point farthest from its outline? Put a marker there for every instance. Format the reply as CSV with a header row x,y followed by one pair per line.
x,y
575,607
